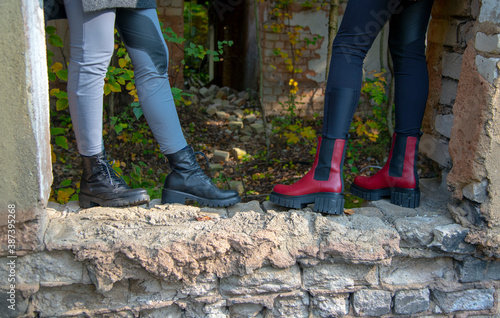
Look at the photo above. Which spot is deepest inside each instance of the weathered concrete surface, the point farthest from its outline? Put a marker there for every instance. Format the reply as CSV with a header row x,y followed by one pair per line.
x,y
26,170
250,261
169,242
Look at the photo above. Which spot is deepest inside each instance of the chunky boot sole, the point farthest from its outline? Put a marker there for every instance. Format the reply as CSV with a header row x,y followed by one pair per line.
x,y
87,201
331,203
407,198
172,196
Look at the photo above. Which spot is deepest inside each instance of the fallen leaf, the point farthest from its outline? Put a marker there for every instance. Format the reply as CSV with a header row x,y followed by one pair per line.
x,y
349,211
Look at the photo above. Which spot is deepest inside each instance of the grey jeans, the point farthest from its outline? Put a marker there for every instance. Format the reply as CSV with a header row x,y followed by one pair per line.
x,y
91,49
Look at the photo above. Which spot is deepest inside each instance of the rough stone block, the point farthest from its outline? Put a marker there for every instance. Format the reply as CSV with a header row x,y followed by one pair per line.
x,y
257,128
263,280
204,92
418,272
372,302
444,124
452,65
418,231
246,310
237,186
437,150
490,11
170,311
212,109
467,211
475,270
448,91
488,43
46,269
451,238
472,299
220,155
409,302
235,125
287,307
326,306
487,67
338,277
476,191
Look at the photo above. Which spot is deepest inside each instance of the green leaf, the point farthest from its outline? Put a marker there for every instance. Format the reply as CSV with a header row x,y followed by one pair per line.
x,y
62,142
62,74
138,112
66,183
50,29
57,131
55,40
62,103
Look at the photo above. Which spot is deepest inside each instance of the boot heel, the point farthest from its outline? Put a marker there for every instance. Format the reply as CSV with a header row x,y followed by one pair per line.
x,y
85,202
329,203
407,198
169,196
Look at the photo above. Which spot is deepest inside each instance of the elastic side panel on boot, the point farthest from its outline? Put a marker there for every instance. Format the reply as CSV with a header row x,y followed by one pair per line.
x,y
398,157
322,171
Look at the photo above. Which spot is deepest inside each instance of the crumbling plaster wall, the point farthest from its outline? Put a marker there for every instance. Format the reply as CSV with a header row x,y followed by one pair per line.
x,y
26,169
461,122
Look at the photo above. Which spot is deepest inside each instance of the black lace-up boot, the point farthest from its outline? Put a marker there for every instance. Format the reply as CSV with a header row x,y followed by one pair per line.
x,y
101,185
188,181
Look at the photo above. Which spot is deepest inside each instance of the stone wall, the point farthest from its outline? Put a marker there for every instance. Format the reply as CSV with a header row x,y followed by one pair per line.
x,y
461,121
253,260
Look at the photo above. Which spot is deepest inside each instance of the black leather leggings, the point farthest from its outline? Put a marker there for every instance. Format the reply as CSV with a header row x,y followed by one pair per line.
x,y
362,21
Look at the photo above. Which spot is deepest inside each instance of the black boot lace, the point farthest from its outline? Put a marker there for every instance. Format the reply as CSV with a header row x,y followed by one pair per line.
x,y
107,167
208,164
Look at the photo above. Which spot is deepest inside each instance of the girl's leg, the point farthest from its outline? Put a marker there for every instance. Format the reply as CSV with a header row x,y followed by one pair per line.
x,y
362,21
398,178
141,33
92,44
407,46
91,48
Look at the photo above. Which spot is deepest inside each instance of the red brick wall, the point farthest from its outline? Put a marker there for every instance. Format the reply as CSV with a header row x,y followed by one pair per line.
x,y
170,12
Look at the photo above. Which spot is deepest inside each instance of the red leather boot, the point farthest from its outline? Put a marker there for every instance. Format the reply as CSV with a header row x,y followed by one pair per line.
x,y
323,184
397,179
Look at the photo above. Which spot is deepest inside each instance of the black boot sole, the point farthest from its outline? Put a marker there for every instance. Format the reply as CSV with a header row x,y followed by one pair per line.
x,y
172,196
329,203
87,201
407,198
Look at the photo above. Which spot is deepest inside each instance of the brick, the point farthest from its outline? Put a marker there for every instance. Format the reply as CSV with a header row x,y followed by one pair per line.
x,y
490,11
330,305
419,272
271,36
263,280
177,3
372,302
472,299
435,149
409,302
487,67
488,43
287,307
448,92
171,11
444,124
452,65
476,191
336,277
475,270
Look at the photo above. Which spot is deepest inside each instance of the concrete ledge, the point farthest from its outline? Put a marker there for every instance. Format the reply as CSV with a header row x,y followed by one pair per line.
x,y
252,261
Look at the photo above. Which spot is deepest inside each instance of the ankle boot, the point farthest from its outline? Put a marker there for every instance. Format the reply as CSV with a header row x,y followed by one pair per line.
x,y
100,185
397,179
323,184
188,181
